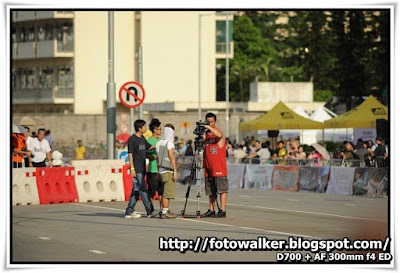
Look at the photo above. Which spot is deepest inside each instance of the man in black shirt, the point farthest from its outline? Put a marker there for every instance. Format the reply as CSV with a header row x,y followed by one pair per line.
x,y
380,154
137,146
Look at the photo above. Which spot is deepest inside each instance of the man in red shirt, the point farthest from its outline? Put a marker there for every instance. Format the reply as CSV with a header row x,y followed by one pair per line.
x,y
215,167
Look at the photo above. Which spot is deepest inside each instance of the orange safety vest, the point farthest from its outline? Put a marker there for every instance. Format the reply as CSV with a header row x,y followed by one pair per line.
x,y
18,141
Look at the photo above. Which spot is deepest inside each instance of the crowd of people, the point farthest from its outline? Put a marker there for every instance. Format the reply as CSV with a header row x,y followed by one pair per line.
x,y
251,150
35,150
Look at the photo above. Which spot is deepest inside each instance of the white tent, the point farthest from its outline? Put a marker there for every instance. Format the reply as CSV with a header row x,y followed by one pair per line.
x,y
338,135
286,134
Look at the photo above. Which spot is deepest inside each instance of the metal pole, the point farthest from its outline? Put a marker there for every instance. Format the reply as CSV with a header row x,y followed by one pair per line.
x,y
131,111
199,108
140,70
111,103
227,76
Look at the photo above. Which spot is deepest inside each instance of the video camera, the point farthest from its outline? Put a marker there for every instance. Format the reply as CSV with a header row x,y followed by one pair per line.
x,y
200,129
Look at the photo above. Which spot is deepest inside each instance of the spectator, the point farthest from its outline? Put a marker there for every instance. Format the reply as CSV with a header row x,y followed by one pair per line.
x,y
28,162
188,150
363,153
239,153
34,135
380,154
315,156
349,155
359,144
80,151
118,145
300,153
281,151
18,145
269,147
40,148
49,138
263,153
229,150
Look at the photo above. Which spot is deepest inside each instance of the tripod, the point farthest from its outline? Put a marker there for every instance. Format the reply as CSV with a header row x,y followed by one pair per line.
x,y
197,174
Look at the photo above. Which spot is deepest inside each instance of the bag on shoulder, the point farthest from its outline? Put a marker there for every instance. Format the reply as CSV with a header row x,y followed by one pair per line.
x,y
189,151
163,160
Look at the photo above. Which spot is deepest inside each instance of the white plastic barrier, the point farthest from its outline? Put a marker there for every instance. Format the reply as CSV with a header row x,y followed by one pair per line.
x,y
99,180
24,187
341,181
258,177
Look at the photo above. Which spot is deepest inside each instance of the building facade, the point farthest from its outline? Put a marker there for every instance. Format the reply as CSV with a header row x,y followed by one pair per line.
x,y
60,59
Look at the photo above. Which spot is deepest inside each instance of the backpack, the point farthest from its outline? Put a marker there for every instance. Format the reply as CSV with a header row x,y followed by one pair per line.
x,y
189,151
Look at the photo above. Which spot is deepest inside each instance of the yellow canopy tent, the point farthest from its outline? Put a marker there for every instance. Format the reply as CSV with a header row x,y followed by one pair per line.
x,y
280,117
363,116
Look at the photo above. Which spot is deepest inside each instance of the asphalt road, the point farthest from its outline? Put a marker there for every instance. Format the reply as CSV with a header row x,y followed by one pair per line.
x,y
98,232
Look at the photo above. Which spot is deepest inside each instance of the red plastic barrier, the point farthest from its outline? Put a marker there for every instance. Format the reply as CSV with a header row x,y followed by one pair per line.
x,y
285,178
128,183
56,185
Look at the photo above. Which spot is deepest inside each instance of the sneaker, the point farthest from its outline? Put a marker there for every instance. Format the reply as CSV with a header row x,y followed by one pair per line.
x,y
133,215
221,214
154,213
167,215
209,213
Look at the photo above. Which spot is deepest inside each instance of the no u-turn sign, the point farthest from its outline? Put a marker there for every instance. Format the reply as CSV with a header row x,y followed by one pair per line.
x,y
131,94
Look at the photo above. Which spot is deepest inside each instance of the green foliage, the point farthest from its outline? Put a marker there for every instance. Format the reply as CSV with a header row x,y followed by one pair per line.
x,y
345,52
331,146
322,95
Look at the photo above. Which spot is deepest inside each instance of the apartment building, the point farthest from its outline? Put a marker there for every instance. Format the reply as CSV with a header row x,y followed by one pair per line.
x,y
60,58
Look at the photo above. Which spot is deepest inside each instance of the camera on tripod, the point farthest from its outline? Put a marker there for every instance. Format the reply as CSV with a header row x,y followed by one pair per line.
x,y
200,129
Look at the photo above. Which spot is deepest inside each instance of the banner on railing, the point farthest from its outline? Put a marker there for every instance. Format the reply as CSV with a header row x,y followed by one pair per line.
x,y
362,180
236,175
341,181
379,185
313,179
286,178
258,177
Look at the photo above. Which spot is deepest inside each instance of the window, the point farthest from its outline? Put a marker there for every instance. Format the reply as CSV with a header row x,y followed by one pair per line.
x,y
65,37
23,35
46,78
14,74
31,34
65,77
13,35
27,77
45,32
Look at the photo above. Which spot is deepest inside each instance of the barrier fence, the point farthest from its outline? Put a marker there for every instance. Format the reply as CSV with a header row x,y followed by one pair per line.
x,y
109,180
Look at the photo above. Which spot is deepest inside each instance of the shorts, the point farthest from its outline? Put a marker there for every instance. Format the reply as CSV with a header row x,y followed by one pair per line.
x,y
155,185
221,183
169,185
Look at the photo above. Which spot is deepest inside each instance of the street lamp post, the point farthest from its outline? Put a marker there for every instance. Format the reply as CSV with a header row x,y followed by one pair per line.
x,y
227,74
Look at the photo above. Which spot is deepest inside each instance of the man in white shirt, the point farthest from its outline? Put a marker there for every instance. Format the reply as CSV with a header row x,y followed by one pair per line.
x,y
168,176
239,153
40,148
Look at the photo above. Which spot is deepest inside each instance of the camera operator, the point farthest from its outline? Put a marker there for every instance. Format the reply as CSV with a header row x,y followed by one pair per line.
x,y
349,154
215,167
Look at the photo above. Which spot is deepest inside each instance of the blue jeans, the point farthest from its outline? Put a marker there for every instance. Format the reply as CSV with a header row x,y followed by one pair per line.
x,y
135,196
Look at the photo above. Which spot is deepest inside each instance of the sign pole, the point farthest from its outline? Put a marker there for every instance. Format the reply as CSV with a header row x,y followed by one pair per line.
x,y
111,101
132,111
140,70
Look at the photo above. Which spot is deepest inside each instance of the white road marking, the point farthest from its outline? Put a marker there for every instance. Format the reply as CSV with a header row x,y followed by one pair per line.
x,y
97,251
351,205
293,200
256,229
44,238
217,224
297,211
